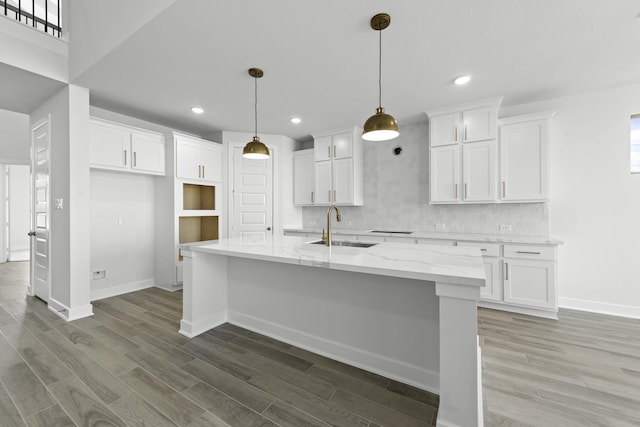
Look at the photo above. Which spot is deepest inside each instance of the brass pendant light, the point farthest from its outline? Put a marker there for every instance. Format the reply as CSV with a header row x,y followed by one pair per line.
x,y
381,126
255,149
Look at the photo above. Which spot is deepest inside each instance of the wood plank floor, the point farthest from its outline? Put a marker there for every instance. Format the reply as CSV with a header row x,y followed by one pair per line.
x,y
127,365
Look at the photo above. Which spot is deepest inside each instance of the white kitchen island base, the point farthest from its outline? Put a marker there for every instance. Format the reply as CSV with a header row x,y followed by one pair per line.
x,y
350,305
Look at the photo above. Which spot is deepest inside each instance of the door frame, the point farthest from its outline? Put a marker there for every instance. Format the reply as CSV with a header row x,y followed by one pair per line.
x,y
275,201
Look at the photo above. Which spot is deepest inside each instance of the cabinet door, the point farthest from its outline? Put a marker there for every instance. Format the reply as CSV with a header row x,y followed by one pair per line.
x,y
322,148
491,291
343,181
342,145
148,152
524,160
530,283
188,159
445,174
323,185
303,178
443,130
109,146
479,125
479,171
211,161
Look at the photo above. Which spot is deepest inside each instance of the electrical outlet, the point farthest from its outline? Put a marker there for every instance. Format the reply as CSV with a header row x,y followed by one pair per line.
x,y
505,227
98,274
347,223
118,221
313,222
441,226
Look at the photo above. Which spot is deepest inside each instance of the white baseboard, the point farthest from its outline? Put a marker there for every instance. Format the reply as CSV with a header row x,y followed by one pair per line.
x,y
390,368
191,330
600,307
521,310
70,314
121,289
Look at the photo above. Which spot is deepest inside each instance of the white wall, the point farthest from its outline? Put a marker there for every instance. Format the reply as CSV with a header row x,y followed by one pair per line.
x,y
14,137
69,180
19,211
125,251
595,201
91,27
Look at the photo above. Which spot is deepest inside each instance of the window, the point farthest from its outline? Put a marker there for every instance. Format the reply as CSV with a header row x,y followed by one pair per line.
x,y
635,143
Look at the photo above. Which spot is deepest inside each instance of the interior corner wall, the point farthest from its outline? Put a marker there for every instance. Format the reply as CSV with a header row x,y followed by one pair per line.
x,y
595,200
68,111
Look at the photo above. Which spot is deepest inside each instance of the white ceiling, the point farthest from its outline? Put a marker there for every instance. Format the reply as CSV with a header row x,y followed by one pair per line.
x,y
320,59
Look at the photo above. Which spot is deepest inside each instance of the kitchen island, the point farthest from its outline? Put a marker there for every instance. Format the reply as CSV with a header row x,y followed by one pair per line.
x,y
405,312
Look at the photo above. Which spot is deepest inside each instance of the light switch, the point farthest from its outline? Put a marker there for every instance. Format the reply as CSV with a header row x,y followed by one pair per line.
x,y
57,204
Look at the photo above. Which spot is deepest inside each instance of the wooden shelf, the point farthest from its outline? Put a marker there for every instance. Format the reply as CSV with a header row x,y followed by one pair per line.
x,y
198,197
196,229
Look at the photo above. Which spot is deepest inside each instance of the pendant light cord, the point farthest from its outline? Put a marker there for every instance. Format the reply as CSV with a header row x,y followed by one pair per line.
x,y
380,70
255,80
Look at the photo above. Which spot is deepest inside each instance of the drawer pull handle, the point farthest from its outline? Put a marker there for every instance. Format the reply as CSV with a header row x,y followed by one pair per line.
x,y
528,252
334,152
456,134
503,188
312,197
506,271
329,151
125,157
483,249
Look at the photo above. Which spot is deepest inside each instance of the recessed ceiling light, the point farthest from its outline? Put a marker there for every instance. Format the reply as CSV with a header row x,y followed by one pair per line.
x,y
462,80
295,120
197,110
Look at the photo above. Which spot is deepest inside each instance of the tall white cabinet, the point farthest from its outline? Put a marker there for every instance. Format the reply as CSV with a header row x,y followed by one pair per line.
x,y
463,153
188,203
303,177
338,168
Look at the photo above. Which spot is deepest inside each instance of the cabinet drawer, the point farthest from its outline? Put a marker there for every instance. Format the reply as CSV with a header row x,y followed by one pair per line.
x,y
487,249
530,252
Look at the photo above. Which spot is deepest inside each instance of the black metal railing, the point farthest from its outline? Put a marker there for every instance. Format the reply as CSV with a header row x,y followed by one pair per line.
x,y
43,15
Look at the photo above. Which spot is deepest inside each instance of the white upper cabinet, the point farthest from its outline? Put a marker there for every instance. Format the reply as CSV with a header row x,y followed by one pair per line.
x,y
479,124
338,168
524,158
463,153
479,171
444,129
303,178
119,147
445,174
198,159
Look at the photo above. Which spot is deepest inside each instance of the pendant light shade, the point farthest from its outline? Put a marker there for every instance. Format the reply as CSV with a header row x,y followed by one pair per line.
x,y
381,126
255,149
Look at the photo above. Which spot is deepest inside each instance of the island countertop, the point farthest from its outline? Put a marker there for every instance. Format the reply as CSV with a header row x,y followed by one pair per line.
x,y
458,265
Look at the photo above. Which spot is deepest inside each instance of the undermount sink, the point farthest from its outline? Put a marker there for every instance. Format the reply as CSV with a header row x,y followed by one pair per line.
x,y
390,232
344,243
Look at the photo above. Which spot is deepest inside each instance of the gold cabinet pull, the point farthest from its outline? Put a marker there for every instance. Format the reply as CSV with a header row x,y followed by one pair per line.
x,y
465,190
503,188
135,159
506,271
329,151
329,191
202,171
125,157
334,152
334,195
455,129
199,171
312,197
455,189
465,132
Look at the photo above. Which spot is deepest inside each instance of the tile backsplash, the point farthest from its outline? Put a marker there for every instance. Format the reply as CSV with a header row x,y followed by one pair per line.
x,y
396,196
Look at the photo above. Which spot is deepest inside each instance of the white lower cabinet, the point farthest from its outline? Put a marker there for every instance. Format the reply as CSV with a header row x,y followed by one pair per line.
x,y
530,283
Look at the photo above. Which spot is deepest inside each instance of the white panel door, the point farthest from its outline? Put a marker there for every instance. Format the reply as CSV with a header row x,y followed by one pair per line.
x,y
529,283
342,181
479,125
524,161
109,146
324,187
252,197
187,159
479,171
40,256
211,161
148,152
445,174
443,130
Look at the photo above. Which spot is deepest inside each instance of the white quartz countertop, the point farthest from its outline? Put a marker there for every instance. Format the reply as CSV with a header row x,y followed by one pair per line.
x,y
458,265
469,237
